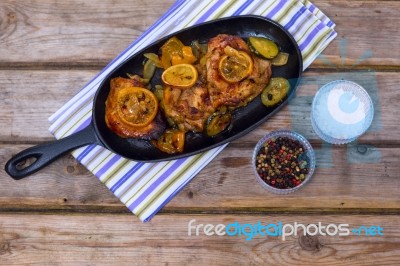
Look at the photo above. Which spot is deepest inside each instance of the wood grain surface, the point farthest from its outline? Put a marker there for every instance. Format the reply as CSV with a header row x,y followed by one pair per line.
x,y
72,32
63,215
83,33
227,184
97,239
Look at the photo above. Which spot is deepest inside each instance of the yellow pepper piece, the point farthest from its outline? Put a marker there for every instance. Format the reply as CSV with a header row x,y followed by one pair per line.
x,y
173,52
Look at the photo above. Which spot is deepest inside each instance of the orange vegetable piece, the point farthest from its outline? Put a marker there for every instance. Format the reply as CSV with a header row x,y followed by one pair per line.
x,y
172,141
174,52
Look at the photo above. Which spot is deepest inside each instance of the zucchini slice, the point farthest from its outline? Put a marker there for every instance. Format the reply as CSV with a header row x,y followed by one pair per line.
x,y
281,59
263,47
276,90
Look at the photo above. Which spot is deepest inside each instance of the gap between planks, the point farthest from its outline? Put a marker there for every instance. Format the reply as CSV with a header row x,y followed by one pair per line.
x,y
99,65
235,144
90,210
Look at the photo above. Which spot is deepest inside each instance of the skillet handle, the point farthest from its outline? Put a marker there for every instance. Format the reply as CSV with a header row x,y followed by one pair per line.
x,y
44,154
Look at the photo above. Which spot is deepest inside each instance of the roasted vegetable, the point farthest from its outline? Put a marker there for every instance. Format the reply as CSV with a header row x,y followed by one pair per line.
x,y
218,122
149,69
171,141
138,79
175,52
280,60
159,92
153,57
263,47
276,90
199,49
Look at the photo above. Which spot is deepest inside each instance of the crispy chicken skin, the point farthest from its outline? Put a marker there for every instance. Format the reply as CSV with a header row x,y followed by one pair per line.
x,y
113,121
239,93
188,108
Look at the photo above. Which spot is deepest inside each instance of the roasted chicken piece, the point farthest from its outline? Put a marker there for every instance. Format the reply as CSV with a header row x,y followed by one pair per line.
x,y
188,108
114,105
223,93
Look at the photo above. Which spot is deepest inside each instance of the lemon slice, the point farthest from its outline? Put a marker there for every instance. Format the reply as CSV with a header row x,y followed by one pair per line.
x,y
235,65
136,106
181,75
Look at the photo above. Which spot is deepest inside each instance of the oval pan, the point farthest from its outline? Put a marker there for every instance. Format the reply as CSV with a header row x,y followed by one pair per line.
x,y
245,119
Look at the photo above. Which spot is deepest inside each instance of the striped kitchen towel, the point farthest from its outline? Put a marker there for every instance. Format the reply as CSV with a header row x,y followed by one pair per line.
x,y
146,187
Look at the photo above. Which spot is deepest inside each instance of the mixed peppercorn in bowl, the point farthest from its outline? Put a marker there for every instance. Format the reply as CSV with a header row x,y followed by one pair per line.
x,y
283,161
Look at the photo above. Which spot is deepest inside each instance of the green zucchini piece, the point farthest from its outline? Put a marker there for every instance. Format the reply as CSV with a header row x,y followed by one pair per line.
x,y
280,60
276,90
263,47
217,123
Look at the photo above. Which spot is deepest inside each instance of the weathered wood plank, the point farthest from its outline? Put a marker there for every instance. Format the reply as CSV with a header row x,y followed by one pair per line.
x,y
65,184
366,30
30,97
344,178
73,32
123,240
347,177
50,33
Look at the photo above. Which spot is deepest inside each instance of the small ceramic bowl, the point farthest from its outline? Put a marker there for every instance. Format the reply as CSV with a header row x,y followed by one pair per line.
x,y
304,159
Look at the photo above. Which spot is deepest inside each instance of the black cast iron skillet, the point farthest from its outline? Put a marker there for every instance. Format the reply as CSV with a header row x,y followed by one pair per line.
x,y
244,120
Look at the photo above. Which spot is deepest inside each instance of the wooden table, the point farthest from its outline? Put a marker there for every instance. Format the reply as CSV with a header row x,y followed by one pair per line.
x,y
64,215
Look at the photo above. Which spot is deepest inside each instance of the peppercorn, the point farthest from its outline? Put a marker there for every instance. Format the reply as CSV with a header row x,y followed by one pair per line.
x,y
286,160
